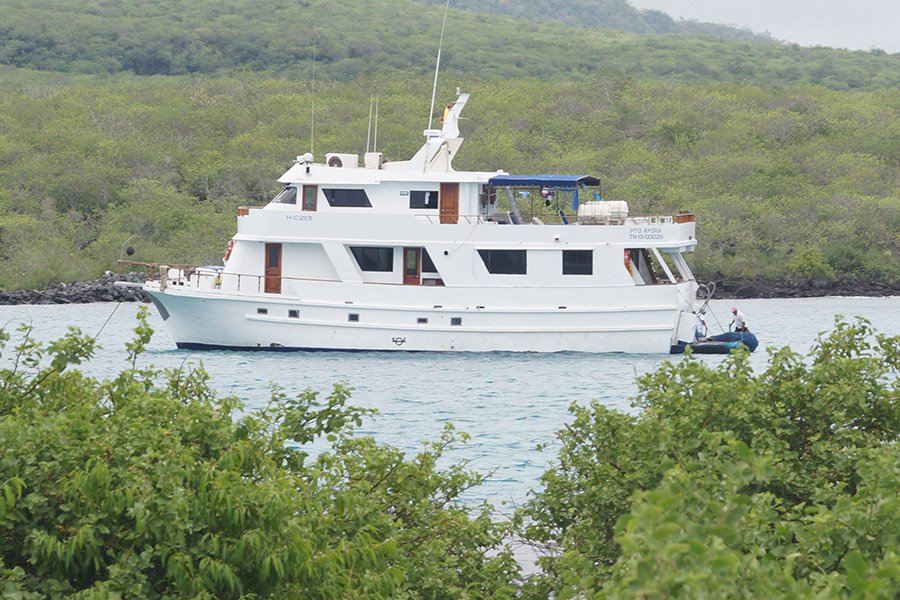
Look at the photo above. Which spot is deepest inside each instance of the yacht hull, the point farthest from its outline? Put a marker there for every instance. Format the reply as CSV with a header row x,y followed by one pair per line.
x,y
210,321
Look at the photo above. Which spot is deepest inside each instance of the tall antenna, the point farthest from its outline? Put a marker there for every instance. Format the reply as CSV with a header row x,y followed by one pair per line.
x,y
369,129
375,146
437,66
312,120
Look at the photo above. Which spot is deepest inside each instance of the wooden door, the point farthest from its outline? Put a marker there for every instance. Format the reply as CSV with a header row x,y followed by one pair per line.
x,y
310,196
412,266
273,269
449,203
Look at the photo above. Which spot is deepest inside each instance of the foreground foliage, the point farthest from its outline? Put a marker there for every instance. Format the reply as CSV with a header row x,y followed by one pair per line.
x,y
725,484
148,485
733,485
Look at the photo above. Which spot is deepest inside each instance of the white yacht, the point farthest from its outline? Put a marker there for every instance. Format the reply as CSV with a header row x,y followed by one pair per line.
x,y
415,256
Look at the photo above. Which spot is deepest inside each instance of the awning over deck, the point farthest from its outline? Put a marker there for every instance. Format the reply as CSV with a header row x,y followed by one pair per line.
x,y
550,181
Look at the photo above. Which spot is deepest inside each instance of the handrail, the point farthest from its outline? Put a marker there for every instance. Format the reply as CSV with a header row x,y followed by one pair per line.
x,y
193,276
539,219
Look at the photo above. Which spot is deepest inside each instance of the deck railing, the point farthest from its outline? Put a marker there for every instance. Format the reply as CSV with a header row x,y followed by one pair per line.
x,y
208,277
508,218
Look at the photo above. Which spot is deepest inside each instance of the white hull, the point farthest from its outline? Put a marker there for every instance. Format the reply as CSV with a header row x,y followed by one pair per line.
x,y
210,320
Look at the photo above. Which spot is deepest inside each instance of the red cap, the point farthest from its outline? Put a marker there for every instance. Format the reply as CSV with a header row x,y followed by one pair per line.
x,y
734,309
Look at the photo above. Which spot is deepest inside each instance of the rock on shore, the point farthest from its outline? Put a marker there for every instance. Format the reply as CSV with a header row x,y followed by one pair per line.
x,y
797,287
81,292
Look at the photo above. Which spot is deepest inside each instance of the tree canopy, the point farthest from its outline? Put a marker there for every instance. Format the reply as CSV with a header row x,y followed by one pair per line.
x,y
152,121
607,14
723,483
355,38
148,485
728,484
786,182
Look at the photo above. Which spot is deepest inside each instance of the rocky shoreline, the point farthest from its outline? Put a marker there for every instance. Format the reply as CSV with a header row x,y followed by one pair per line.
x,y
105,290
81,292
796,287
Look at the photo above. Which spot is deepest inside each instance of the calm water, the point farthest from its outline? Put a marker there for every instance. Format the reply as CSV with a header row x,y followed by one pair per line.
x,y
508,402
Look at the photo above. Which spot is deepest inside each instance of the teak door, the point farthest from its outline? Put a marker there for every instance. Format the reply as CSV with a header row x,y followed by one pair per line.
x,y
273,269
412,266
310,196
449,203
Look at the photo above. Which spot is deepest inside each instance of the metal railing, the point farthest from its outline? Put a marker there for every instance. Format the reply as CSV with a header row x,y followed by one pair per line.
x,y
209,278
507,218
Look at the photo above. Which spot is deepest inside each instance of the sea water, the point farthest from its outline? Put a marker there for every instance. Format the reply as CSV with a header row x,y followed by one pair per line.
x,y
509,403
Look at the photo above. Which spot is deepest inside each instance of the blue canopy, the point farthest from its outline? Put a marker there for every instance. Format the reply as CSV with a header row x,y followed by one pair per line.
x,y
553,181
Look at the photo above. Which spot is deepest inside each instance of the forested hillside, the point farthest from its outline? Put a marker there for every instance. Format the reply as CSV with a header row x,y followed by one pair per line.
x,y
608,14
788,179
801,181
176,37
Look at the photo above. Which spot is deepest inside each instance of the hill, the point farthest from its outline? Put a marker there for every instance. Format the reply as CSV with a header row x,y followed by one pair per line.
x,y
798,182
280,37
606,14
148,123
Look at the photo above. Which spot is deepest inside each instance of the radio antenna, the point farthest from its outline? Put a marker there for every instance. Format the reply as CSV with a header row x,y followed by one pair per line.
x,y
375,145
437,66
369,129
312,120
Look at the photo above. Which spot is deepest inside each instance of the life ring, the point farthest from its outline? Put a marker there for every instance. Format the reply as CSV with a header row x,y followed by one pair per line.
x,y
228,248
628,264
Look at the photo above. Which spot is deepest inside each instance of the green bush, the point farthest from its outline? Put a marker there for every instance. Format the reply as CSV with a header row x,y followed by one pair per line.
x,y
728,484
810,263
147,485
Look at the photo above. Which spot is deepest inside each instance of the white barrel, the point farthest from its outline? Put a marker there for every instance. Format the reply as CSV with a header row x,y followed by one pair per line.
x,y
618,209
593,212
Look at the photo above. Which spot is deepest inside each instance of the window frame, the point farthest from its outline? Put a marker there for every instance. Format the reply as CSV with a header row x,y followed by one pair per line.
x,y
428,266
289,191
576,267
492,260
418,199
363,258
346,198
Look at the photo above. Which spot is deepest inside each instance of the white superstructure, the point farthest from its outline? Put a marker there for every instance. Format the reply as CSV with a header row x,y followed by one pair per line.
x,y
371,255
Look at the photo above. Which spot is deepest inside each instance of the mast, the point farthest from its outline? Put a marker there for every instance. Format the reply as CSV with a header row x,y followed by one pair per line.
x,y
437,67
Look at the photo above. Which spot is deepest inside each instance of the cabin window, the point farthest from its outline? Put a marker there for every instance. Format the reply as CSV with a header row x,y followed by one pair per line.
x,y
578,262
427,264
262,311
422,321
347,198
287,196
455,321
373,258
504,262
293,313
353,317
423,199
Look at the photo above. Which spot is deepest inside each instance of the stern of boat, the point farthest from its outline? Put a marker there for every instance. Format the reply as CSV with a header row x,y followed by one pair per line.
x,y
688,305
